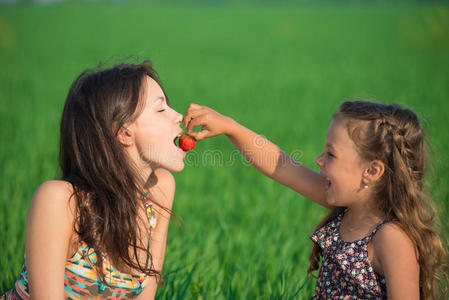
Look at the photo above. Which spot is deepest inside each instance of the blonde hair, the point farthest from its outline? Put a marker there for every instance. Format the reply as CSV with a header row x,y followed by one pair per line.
x,y
395,136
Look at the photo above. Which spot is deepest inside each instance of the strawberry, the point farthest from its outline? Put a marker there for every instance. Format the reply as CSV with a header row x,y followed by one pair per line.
x,y
186,142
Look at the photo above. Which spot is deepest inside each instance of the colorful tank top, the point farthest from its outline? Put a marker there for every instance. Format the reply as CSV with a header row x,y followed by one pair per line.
x,y
346,272
81,280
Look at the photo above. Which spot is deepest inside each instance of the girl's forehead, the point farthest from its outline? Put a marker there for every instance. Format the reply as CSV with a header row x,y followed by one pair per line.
x,y
338,136
337,130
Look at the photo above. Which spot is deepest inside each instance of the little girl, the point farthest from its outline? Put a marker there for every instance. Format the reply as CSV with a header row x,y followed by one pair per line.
x,y
378,240
100,231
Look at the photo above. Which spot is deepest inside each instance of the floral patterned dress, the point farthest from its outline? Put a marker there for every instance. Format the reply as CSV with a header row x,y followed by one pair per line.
x,y
346,272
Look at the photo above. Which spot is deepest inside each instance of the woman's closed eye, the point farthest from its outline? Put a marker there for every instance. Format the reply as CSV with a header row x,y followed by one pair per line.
x,y
330,154
162,108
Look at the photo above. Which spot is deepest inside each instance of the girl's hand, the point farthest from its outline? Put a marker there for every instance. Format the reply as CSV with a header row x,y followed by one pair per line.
x,y
211,122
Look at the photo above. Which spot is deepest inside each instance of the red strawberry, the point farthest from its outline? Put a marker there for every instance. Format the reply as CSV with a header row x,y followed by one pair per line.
x,y
186,142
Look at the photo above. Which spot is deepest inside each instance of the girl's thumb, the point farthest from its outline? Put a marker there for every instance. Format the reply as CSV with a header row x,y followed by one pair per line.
x,y
200,135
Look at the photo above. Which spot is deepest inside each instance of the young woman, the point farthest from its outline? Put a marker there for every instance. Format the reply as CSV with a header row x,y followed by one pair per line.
x,y
100,230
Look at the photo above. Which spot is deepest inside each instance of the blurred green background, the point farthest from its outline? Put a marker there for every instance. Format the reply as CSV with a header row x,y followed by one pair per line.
x,y
280,68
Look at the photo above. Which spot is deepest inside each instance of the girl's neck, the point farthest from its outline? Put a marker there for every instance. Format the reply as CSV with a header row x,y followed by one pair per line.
x,y
363,214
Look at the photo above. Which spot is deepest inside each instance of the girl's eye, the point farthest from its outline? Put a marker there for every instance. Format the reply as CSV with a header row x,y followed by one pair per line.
x,y
330,154
162,110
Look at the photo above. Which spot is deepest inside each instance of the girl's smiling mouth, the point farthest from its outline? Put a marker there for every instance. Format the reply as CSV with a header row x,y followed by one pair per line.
x,y
328,184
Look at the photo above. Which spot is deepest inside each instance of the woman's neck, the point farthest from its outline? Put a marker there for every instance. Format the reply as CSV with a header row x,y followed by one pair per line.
x,y
143,169
151,180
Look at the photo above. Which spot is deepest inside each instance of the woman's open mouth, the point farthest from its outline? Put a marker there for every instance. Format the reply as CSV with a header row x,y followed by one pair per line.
x,y
175,140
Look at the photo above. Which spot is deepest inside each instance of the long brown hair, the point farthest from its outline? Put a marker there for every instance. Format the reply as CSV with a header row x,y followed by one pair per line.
x,y
395,136
98,104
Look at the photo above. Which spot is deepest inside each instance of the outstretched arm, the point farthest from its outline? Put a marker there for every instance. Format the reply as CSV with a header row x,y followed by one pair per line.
x,y
265,156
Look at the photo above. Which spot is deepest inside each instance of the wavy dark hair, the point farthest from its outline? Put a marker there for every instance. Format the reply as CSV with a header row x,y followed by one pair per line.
x,y
395,136
98,104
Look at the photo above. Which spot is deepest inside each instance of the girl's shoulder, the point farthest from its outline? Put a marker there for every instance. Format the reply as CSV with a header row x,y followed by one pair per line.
x,y
391,234
393,246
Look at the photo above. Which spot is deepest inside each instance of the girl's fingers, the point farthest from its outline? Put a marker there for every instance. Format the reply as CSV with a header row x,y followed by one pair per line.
x,y
197,120
190,116
200,135
194,106
192,111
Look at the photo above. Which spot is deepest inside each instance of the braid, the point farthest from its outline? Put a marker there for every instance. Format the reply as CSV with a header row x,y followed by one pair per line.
x,y
403,168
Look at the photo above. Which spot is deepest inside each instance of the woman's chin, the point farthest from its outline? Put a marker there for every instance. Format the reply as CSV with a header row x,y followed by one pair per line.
x,y
176,168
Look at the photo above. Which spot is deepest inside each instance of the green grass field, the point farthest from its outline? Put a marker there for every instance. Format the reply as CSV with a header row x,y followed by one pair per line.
x,y
281,70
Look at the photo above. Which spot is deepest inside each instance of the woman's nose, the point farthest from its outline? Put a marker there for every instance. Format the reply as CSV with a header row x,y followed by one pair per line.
x,y
178,117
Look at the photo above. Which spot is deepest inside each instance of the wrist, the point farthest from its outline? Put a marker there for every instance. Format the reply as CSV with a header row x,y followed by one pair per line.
x,y
231,127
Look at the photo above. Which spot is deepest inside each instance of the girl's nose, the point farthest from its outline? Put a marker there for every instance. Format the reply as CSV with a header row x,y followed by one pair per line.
x,y
319,160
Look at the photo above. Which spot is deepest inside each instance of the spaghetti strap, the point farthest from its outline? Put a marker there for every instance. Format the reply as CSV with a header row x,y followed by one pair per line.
x,y
370,236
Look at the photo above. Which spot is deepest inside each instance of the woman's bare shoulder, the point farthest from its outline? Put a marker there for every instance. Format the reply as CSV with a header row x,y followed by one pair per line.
x,y
56,186
50,220
53,196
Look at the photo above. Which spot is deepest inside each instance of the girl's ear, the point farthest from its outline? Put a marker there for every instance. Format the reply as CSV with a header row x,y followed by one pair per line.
x,y
125,136
375,170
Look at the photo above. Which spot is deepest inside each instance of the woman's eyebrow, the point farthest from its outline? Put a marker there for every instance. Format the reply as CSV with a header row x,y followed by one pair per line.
x,y
159,99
